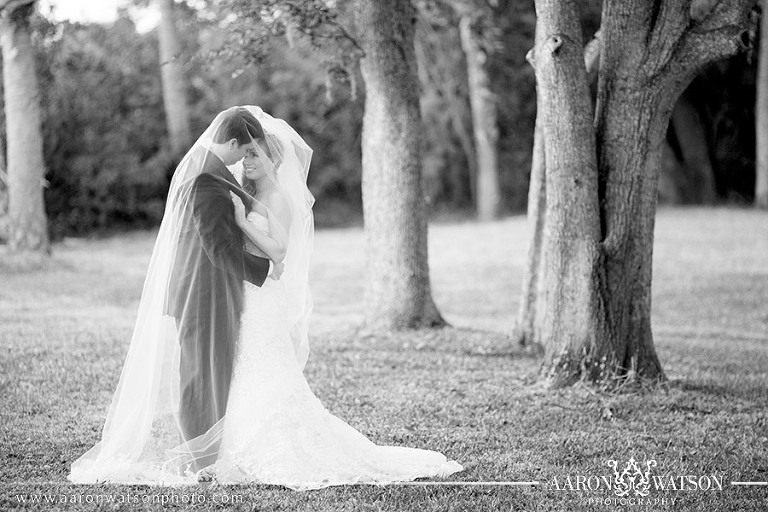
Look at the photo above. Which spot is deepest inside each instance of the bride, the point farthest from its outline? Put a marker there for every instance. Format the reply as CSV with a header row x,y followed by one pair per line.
x,y
274,429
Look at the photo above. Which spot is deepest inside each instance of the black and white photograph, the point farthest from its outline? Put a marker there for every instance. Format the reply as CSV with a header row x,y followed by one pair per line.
x,y
384,255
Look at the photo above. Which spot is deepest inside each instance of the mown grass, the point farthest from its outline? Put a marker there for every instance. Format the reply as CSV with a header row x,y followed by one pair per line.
x,y
467,391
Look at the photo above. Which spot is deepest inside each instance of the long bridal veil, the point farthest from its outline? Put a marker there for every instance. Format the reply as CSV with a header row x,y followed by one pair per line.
x,y
145,439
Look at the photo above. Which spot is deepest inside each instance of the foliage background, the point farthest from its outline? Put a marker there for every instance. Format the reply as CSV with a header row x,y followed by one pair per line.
x,y
108,162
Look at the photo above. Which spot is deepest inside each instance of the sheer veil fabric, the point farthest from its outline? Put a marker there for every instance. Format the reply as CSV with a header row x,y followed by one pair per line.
x,y
166,417
213,379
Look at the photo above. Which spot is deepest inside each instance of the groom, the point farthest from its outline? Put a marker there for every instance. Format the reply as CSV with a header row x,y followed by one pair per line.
x,y
205,291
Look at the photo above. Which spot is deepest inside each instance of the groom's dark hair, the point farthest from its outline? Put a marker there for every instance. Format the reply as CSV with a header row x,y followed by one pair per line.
x,y
241,125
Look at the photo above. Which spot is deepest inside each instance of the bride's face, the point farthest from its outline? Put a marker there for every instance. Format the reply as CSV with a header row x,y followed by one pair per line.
x,y
254,165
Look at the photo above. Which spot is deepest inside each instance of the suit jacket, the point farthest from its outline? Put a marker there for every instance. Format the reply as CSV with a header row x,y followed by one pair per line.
x,y
210,262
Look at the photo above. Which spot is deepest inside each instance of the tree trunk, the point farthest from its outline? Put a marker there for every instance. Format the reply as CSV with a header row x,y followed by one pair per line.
x,y
27,223
397,293
761,116
646,67
531,304
698,180
3,195
441,80
569,313
484,118
602,179
525,328
174,85
629,167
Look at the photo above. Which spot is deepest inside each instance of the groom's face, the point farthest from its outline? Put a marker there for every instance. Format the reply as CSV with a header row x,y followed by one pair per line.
x,y
238,151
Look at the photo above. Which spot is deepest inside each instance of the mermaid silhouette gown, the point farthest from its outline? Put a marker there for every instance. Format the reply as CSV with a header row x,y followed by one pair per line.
x,y
276,431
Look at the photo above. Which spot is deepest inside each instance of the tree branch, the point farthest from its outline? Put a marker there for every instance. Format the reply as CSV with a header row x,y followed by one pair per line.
x,y
713,30
719,30
687,35
670,24
720,13
700,9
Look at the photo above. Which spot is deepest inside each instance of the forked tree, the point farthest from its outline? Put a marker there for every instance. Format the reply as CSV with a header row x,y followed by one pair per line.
x,y
587,292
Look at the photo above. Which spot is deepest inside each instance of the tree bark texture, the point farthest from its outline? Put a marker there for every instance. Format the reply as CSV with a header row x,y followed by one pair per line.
x,y
532,297
525,327
27,222
761,116
397,287
602,175
174,84
570,307
484,119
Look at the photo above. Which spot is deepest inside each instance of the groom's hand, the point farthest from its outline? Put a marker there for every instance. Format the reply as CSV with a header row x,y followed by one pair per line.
x,y
277,271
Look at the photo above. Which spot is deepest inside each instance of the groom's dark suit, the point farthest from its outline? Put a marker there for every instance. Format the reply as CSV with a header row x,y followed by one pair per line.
x,y
205,291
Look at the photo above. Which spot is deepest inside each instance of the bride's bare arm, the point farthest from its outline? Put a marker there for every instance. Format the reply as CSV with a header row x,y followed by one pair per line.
x,y
271,247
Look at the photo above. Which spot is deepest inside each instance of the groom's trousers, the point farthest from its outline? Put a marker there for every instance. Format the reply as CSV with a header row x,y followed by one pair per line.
x,y
207,352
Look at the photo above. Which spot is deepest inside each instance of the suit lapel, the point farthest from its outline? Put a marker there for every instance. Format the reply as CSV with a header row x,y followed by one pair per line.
x,y
216,167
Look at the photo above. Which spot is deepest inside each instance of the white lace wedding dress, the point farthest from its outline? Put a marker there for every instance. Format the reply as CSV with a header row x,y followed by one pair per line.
x,y
276,431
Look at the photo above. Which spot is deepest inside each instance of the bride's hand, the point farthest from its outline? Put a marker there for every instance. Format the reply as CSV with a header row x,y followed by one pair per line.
x,y
239,208
277,270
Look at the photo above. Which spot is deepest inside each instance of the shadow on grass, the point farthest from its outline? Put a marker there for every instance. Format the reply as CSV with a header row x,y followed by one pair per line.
x,y
726,393
448,340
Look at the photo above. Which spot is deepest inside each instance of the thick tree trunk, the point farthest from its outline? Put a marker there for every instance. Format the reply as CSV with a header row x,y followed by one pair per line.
x,y
174,85
629,167
761,116
698,182
484,116
602,184
397,293
27,223
645,68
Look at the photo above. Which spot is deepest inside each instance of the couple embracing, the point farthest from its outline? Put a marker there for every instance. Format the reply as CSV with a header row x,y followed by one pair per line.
x,y
212,386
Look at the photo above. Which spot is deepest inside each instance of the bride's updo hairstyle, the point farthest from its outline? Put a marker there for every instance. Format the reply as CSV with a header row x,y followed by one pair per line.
x,y
145,438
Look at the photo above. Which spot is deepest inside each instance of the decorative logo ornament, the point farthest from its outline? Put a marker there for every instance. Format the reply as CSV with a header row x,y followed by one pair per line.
x,y
632,478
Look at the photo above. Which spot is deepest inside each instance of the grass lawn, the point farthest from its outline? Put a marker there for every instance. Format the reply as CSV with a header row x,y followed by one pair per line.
x,y
467,391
